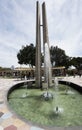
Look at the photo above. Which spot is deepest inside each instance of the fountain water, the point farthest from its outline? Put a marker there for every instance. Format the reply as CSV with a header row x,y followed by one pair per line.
x,y
47,65
56,90
56,94
57,109
25,85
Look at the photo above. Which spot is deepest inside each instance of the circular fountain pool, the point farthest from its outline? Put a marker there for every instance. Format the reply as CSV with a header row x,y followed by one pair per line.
x,y
65,109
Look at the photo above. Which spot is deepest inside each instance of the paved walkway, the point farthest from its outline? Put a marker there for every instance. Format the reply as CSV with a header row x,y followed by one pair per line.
x,y
9,120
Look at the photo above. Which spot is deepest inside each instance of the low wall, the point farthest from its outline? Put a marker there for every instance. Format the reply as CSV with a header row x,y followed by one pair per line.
x,y
74,86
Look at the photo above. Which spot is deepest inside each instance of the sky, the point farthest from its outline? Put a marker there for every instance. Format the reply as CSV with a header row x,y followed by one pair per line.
x,y
18,27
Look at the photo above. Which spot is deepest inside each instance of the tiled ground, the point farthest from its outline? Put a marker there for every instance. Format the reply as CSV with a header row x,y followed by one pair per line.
x,y
9,121
11,127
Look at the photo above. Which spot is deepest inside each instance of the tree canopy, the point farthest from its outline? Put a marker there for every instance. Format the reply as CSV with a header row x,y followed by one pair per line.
x,y
59,57
77,62
26,55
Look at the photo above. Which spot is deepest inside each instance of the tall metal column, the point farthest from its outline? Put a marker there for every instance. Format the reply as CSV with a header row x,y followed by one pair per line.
x,y
38,47
45,26
46,39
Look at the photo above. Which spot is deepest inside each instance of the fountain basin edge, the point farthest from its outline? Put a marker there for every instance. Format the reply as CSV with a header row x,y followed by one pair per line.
x,y
73,85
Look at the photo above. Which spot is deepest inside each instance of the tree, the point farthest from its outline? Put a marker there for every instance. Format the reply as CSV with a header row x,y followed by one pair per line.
x,y
26,55
59,57
77,62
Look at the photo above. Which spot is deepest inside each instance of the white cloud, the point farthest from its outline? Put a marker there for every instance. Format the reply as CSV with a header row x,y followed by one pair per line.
x,y
18,24
66,27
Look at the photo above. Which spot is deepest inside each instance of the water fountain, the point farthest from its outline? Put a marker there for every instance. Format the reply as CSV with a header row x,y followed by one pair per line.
x,y
47,95
47,64
25,86
56,94
57,109
41,111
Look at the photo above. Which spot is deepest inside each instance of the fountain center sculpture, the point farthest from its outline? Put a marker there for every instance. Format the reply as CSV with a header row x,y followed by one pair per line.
x,y
47,63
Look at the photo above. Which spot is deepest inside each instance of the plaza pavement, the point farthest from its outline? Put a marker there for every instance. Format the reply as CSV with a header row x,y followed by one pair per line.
x,y
10,121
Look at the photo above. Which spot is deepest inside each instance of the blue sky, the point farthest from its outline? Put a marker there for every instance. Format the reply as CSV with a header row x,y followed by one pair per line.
x,y
18,23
